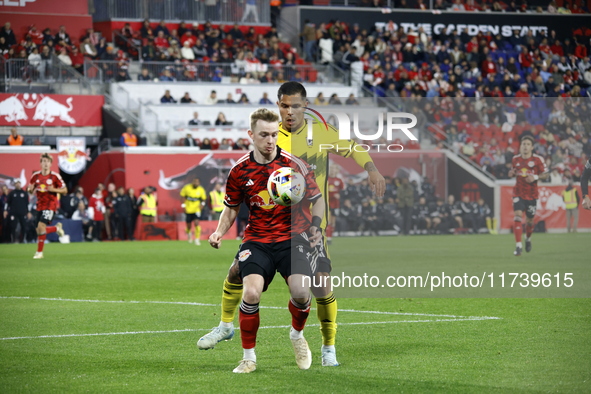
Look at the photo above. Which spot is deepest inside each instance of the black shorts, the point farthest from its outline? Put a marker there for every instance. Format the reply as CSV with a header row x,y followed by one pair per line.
x,y
320,261
287,258
528,206
191,217
45,216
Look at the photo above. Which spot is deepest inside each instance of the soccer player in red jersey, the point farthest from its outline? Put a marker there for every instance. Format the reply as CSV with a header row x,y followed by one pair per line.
x,y
277,238
47,185
528,168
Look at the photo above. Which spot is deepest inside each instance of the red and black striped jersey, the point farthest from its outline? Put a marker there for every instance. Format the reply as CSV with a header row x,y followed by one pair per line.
x,y
533,165
267,221
46,200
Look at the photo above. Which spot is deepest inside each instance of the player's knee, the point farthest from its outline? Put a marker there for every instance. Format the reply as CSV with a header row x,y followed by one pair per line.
x,y
251,295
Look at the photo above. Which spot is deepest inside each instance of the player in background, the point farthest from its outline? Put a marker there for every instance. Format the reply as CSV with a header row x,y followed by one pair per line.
x,y
277,238
528,168
293,137
193,196
585,185
47,185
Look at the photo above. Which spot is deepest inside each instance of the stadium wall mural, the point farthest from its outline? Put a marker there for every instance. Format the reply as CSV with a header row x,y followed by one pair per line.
x,y
33,109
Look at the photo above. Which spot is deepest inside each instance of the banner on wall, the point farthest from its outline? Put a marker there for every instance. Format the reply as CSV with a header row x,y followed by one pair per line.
x,y
71,154
33,109
550,208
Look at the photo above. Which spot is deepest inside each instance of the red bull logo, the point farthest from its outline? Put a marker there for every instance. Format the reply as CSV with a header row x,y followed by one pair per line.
x,y
263,200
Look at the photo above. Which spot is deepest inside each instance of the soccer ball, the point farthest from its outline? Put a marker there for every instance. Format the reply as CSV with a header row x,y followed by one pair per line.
x,y
286,186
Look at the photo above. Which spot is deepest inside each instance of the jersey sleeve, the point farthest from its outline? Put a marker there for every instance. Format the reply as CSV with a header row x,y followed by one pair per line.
x,y
346,148
312,189
184,191
59,180
234,193
202,195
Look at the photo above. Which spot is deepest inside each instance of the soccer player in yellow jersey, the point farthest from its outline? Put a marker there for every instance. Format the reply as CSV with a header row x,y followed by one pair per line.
x,y
193,195
294,138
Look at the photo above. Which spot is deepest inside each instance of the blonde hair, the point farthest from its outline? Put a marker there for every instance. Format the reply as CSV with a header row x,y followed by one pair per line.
x,y
263,114
46,156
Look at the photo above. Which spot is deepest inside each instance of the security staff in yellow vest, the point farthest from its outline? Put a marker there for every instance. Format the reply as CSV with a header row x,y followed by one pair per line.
x,y
193,197
216,201
147,203
571,198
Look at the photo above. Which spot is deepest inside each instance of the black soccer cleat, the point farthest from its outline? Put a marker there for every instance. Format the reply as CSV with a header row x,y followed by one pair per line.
x,y
527,246
517,251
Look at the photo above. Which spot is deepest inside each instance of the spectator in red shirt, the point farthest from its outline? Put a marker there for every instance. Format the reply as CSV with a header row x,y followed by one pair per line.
x,y
488,66
557,49
161,42
525,60
77,60
581,51
188,36
36,35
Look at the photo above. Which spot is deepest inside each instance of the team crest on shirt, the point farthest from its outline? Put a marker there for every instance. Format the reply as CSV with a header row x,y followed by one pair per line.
x,y
244,255
530,163
49,181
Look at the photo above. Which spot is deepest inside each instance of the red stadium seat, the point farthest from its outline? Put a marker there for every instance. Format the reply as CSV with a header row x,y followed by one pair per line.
x,y
215,144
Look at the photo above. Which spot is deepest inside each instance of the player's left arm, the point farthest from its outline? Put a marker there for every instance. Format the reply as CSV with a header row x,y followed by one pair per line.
x,y
318,208
346,148
318,211
61,185
542,175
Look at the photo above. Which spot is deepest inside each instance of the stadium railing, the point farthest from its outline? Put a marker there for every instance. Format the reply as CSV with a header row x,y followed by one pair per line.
x,y
52,72
191,10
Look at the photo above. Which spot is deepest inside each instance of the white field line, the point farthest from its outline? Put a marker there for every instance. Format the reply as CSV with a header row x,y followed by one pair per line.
x,y
262,307
207,329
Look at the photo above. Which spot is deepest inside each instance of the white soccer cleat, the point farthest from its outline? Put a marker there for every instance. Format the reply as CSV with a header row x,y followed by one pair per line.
x,y
245,366
218,334
329,358
59,230
302,353
38,255
197,242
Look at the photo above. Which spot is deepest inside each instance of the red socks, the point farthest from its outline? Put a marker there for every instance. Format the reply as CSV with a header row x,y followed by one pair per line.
x,y
41,242
249,324
517,230
50,229
299,314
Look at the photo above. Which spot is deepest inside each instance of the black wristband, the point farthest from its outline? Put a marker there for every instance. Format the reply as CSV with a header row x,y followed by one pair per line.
x,y
316,221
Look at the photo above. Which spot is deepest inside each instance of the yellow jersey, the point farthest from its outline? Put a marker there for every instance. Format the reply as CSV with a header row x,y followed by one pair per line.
x,y
315,151
194,196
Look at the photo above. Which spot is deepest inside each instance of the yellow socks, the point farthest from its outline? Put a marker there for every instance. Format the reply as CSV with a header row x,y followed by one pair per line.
x,y
231,297
327,315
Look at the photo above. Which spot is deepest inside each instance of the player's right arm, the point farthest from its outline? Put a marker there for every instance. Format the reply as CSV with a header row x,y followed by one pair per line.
x,y
227,218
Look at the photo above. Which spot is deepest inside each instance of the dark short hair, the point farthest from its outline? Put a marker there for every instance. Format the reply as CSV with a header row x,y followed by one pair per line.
x,y
291,89
528,137
46,156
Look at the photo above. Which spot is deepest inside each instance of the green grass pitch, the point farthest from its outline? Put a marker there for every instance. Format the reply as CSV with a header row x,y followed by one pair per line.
x,y
125,317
